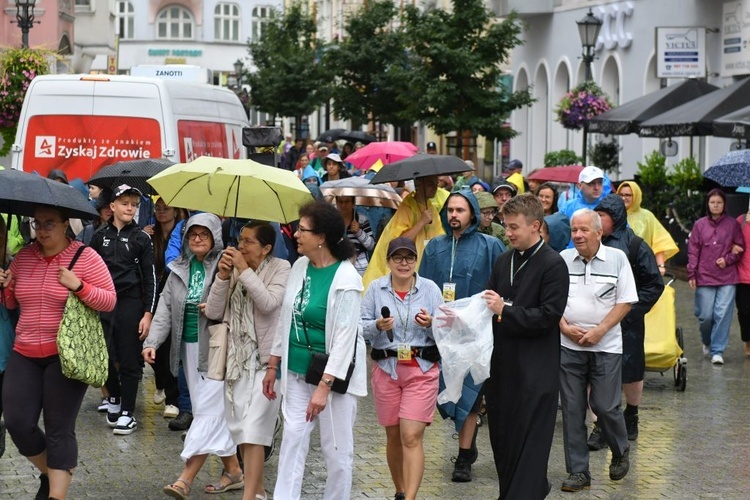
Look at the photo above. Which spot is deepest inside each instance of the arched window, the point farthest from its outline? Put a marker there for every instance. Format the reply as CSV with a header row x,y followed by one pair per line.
x,y
227,22
260,16
174,23
124,19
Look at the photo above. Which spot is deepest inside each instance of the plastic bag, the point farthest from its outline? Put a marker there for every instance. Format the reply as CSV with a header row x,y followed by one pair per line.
x,y
463,333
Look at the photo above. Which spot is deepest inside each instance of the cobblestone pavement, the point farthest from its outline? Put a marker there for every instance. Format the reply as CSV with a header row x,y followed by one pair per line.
x,y
694,444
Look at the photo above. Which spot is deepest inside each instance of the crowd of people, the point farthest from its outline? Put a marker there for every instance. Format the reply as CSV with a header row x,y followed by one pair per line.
x,y
568,272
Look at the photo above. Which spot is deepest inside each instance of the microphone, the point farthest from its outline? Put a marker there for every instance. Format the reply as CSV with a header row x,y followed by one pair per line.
x,y
386,313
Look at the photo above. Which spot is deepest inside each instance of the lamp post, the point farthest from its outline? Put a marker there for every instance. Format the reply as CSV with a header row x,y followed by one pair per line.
x,y
588,30
25,19
238,67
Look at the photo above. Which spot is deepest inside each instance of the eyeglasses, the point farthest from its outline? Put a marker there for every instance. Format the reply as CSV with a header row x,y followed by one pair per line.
x,y
246,241
46,225
202,236
410,258
625,195
489,214
301,229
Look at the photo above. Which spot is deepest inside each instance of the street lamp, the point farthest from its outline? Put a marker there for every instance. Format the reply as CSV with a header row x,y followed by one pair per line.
x,y
238,67
588,30
25,19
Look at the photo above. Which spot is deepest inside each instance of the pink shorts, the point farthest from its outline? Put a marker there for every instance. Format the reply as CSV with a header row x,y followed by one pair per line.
x,y
412,396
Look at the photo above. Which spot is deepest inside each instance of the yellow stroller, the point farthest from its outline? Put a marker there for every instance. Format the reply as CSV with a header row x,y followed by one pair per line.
x,y
664,341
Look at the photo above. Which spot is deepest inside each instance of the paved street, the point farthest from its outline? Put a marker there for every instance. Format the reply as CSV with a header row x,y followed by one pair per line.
x,y
694,444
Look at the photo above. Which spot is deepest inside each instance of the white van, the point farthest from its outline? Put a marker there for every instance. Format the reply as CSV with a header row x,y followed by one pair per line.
x,y
80,123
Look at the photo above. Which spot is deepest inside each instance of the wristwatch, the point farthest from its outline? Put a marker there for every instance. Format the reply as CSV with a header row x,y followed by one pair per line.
x,y
327,381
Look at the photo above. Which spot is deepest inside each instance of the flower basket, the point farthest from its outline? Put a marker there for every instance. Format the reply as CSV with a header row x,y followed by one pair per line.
x,y
581,104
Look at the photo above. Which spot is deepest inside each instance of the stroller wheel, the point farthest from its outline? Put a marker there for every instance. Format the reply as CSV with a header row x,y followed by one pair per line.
x,y
680,375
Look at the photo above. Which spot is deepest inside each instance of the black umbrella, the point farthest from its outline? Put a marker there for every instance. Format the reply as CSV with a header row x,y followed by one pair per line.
x,y
22,193
420,165
697,116
358,136
134,173
332,134
626,118
735,124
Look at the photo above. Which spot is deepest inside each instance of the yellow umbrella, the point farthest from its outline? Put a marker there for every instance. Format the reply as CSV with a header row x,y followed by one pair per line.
x,y
233,188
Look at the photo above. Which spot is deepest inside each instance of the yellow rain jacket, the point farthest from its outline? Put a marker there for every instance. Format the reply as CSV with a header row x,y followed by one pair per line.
x,y
645,224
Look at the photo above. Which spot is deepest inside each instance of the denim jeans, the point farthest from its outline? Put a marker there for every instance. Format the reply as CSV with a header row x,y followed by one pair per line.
x,y
183,400
714,307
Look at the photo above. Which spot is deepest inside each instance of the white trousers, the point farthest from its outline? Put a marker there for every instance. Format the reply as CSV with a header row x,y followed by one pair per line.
x,y
336,441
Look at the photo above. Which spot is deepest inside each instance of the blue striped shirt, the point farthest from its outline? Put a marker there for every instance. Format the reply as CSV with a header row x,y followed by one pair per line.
x,y
425,295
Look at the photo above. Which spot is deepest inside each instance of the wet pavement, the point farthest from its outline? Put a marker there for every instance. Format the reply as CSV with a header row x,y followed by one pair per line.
x,y
692,444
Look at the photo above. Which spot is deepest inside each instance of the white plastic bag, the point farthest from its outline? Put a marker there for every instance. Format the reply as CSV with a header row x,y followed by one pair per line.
x,y
463,333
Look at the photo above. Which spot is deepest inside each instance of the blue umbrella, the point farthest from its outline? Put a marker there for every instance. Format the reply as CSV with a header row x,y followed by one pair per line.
x,y
731,170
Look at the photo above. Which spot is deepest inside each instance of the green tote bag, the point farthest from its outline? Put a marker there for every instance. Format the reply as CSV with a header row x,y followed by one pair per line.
x,y
80,341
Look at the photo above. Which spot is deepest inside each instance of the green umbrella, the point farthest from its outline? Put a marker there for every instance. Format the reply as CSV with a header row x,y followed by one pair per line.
x,y
233,188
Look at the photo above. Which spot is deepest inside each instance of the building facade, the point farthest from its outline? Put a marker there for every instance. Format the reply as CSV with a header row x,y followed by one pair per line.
x,y
549,64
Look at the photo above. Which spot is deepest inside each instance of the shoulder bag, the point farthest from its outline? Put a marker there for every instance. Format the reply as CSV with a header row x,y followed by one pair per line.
x,y
218,342
318,363
80,340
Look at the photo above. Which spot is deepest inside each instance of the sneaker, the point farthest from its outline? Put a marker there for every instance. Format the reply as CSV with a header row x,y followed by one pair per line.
x,y
631,424
596,440
717,359
103,406
461,471
181,422
112,419
619,466
171,411
126,424
706,350
159,396
577,481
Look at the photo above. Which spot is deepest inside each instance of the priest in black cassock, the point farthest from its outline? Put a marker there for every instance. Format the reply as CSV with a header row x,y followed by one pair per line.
x,y
528,291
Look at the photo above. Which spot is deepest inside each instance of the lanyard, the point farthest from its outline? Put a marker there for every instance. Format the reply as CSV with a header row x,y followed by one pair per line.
x,y
404,319
513,261
453,258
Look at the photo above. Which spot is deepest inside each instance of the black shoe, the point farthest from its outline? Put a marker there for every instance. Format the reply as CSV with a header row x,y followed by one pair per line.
x,y
577,481
181,422
596,440
43,491
619,466
631,424
461,471
2,439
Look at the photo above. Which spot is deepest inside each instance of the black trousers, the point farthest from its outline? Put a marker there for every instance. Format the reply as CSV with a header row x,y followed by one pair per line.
x,y
742,299
35,386
125,359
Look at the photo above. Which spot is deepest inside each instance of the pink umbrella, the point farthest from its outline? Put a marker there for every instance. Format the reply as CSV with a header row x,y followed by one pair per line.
x,y
386,152
567,173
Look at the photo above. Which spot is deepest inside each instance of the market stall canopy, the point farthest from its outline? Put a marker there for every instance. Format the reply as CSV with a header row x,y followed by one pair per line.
x,y
696,117
626,118
735,124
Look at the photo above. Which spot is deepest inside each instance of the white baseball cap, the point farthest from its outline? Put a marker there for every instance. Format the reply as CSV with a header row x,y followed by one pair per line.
x,y
590,174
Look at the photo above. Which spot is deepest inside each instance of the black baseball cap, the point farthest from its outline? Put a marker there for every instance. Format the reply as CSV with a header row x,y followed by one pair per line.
x,y
124,189
431,145
401,243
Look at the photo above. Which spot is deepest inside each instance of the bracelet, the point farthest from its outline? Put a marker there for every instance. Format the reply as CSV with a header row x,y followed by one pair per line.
x,y
80,287
269,367
660,266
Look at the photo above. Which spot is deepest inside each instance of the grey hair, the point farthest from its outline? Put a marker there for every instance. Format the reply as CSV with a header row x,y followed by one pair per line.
x,y
596,220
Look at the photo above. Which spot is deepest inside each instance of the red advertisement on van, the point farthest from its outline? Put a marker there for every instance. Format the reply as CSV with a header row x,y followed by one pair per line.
x,y
80,145
207,139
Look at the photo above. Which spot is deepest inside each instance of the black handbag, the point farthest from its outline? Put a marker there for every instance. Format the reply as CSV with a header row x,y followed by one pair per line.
x,y
318,363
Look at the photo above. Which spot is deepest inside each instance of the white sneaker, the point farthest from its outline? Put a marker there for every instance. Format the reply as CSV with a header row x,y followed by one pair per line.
x,y
706,350
171,411
717,359
159,396
126,424
103,407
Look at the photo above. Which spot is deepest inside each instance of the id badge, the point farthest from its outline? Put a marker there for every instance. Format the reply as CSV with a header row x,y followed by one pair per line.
x,y
404,353
449,292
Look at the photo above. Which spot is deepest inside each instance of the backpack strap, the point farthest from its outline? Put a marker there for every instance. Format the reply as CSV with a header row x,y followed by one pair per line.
x,y
635,243
75,257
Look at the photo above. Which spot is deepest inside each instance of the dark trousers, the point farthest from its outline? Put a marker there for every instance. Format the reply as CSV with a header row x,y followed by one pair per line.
x,y
125,360
1,394
163,377
742,299
35,386
183,401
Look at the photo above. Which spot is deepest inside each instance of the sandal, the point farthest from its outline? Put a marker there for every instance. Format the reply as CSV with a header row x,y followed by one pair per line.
x,y
176,490
237,482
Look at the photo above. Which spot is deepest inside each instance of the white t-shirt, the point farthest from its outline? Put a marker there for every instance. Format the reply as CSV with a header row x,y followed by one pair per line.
x,y
595,288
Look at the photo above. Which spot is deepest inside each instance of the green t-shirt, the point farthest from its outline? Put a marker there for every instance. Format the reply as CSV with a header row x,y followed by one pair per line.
x,y
310,308
194,295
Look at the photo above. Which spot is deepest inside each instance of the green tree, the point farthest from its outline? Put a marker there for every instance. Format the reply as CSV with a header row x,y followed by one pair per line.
x,y
561,157
287,79
369,65
455,69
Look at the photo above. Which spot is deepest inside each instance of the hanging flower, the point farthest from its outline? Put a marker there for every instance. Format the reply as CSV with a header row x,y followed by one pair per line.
x,y
581,104
17,68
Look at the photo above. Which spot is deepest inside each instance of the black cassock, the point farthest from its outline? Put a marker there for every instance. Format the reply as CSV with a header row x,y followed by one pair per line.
x,y
522,390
